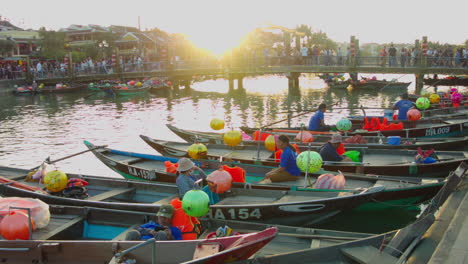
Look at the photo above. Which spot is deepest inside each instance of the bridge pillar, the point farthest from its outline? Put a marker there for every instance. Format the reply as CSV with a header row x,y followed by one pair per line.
x,y
293,82
187,83
175,84
231,83
240,85
419,83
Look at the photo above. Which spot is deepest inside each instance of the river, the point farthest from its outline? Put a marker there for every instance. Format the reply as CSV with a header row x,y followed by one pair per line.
x,y
33,128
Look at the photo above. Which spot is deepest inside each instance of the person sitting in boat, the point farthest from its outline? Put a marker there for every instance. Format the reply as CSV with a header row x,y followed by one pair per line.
x,y
317,121
329,152
162,230
288,170
403,106
186,178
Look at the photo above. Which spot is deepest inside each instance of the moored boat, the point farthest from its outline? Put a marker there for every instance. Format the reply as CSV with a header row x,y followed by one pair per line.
x,y
372,161
58,88
380,84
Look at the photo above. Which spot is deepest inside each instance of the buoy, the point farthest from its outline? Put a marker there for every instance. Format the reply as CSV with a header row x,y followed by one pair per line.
x,y
344,125
310,161
197,151
196,203
232,138
413,114
15,225
217,124
55,181
423,103
221,180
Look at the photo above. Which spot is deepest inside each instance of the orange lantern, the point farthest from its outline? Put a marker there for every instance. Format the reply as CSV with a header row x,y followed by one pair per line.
x,y
270,143
15,226
304,137
219,181
232,138
197,151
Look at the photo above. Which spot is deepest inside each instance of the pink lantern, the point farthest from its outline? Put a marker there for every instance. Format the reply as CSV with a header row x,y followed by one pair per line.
x,y
453,90
457,98
304,137
219,181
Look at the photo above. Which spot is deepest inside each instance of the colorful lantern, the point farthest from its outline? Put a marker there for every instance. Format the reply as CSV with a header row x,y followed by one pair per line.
x,y
304,137
270,143
425,93
139,84
309,161
197,151
196,203
232,138
131,83
217,124
91,84
434,98
413,114
423,103
457,98
221,181
15,225
344,125
55,181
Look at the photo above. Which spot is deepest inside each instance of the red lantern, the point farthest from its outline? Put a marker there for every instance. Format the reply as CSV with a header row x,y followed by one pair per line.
x,y
219,181
15,226
413,114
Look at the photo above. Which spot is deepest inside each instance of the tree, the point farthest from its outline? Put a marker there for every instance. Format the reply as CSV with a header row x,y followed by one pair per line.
x,y
52,44
307,30
6,45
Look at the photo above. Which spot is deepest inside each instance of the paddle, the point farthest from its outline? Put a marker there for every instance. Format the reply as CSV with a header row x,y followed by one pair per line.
x,y
70,156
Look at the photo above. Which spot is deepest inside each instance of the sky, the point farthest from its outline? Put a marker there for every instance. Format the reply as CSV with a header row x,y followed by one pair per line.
x,y
218,25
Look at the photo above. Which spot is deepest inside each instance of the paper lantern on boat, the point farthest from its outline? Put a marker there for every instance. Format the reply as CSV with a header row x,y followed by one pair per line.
x,y
413,114
91,84
342,78
197,151
15,225
434,98
196,203
217,124
131,83
304,137
41,86
423,103
270,143
425,93
309,161
221,180
456,98
139,84
453,90
124,88
55,181
344,125
232,138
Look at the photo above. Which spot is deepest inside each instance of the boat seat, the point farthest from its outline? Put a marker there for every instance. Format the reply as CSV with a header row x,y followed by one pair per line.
x,y
111,193
205,249
368,255
131,161
49,232
121,236
166,200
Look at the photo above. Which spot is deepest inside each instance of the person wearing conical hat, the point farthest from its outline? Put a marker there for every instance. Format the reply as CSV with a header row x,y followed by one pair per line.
x,y
187,178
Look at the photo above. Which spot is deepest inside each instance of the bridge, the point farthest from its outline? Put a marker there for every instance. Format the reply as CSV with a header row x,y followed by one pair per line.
x,y
182,72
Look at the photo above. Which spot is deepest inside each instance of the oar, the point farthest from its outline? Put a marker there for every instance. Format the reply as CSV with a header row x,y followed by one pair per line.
x,y
72,155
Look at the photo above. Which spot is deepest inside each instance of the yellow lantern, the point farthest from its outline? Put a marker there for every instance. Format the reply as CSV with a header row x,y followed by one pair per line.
x,y
217,124
55,181
434,98
197,151
232,138
270,143
138,84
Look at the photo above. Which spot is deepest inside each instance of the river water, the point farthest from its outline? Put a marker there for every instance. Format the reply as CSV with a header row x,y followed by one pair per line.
x,y
33,128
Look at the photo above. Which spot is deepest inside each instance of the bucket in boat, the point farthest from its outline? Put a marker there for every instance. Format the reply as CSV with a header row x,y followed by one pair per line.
x,y
388,113
394,140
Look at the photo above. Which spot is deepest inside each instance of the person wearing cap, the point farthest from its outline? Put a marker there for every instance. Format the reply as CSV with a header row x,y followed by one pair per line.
x,y
186,179
317,121
162,230
403,106
328,151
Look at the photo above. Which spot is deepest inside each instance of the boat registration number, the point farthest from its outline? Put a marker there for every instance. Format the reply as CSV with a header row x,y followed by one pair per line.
x,y
240,213
437,131
144,174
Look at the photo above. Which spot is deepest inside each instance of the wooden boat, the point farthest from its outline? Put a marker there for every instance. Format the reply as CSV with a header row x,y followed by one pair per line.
x,y
398,190
453,81
390,247
456,127
380,84
260,205
379,142
65,88
338,84
124,90
373,161
96,235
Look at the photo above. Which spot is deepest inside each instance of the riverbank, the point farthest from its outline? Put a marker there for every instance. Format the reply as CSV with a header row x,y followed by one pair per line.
x,y
6,86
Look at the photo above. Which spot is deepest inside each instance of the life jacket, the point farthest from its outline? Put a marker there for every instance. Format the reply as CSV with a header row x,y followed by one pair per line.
x,y
189,225
237,173
171,167
340,150
256,136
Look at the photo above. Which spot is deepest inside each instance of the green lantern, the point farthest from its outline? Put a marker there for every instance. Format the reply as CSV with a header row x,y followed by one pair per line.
x,y
196,203
343,125
353,155
91,84
309,161
423,103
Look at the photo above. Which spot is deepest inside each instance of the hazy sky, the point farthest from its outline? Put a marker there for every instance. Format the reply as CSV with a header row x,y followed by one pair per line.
x,y
218,25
